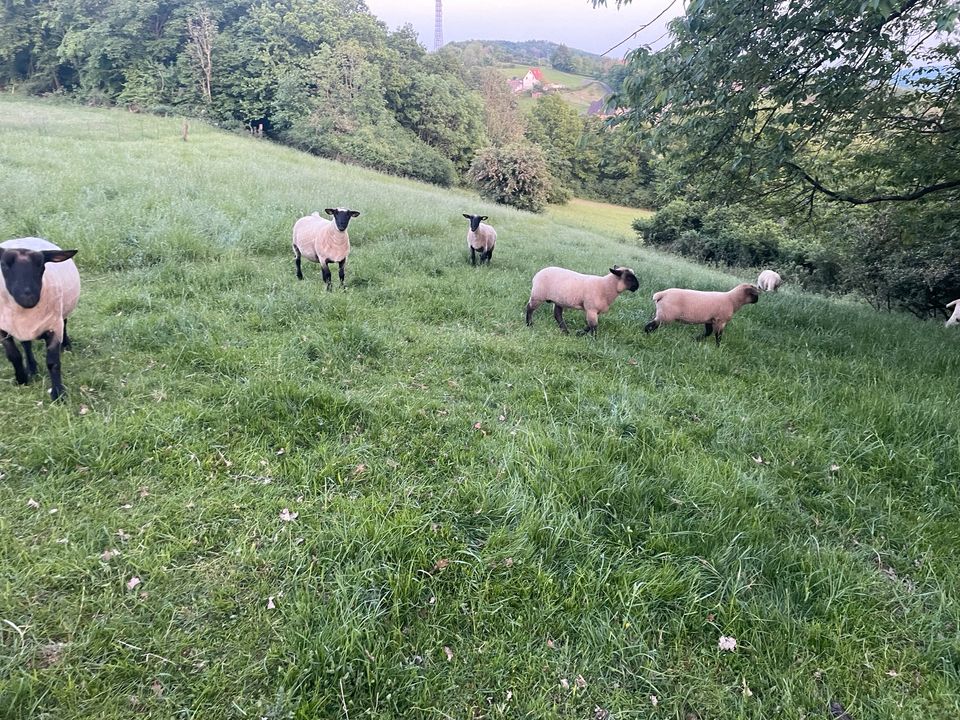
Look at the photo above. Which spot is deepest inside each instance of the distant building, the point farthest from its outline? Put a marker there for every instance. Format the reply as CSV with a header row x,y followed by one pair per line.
x,y
516,85
533,78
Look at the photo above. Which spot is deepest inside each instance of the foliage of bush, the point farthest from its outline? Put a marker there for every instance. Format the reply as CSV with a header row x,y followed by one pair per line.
x,y
873,253
514,175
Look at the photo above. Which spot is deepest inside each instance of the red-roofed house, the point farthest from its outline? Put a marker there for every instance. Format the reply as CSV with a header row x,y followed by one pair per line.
x,y
533,78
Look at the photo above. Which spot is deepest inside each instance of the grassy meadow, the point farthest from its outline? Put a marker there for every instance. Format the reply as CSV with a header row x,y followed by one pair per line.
x,y
397,501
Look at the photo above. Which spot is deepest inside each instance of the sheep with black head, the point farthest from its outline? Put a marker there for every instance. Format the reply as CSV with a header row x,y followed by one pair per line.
x,y
41,286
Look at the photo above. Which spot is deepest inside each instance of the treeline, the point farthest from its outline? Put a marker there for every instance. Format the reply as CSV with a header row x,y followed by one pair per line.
x,y
323,75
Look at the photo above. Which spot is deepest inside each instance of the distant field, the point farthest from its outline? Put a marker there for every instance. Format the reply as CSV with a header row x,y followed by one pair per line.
x,y
549,74
580,90
612,221
398,501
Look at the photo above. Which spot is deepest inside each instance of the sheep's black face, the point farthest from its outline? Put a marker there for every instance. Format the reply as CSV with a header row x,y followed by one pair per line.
x,y
753,294
23,272
627,275
342,216
23,275
475,221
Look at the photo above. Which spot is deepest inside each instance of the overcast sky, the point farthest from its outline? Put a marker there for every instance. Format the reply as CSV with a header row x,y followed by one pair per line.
x,y
574,23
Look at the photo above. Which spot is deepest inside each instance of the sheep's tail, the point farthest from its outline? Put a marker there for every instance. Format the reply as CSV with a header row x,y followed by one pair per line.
x,y
951,304
658,295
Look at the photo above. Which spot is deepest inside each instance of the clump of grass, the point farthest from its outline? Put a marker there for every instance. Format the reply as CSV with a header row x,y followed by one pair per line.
x,y
491,521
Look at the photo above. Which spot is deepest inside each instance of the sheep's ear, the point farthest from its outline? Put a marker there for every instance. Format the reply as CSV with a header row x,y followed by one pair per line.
x,y
57,255
468,217
483,217
354,213
616,270
330,211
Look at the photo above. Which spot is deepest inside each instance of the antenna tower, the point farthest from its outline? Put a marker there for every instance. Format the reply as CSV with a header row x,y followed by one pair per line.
x,y
438,28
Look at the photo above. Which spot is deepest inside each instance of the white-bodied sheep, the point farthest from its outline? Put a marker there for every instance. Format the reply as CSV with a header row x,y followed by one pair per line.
x,y
713,309
40,289
480,238
323,241
769,280
955,318
594,294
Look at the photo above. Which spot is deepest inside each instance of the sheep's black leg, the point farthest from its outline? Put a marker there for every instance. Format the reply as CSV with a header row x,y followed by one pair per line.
x,y
717,335
707,331
473,256
342,263
489,256
296,260
530,308
558,316
651,326
327,277
13,355
53,365
31,360
65,343
588,330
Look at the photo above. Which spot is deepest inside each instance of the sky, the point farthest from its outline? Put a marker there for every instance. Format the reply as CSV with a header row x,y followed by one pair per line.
x,y
574,23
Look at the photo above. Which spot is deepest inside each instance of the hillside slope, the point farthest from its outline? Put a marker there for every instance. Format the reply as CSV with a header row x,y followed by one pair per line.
x,y
398,501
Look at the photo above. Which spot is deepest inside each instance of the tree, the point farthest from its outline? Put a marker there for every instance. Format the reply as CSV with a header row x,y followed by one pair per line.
x,y
502,116
556,127
514,175
202,30
854,101
562,59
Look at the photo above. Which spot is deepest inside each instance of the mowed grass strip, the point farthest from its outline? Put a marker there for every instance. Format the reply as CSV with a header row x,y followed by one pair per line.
x,y
398,501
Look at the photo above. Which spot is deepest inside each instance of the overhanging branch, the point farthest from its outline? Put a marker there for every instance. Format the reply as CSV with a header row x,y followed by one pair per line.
x,y
854,200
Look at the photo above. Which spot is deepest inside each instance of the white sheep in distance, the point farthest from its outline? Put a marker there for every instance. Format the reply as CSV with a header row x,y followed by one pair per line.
x,y
323,241
41,286
594,294
480,238
955,318
713,309
769,280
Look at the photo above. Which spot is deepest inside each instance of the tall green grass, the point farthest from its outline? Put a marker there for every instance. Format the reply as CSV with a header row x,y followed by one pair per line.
x,y
492,521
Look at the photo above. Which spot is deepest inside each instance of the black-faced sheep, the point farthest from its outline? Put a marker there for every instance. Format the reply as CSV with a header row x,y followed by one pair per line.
x,y
769,281
594,294
480,238
40,289
713,309
323,241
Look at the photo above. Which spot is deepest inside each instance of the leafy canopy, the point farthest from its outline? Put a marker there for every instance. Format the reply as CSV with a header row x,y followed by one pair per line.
x,y
851,100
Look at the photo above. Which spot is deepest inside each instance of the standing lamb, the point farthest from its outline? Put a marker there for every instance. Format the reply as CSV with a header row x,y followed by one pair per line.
x,y
955,318
713,309
594,294
769,280
323,241
480,238
35,300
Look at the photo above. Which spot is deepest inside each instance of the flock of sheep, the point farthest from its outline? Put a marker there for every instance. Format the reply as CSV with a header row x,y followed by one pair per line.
x,y
41,286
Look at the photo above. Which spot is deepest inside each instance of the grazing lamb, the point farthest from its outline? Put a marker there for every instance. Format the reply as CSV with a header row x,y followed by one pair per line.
x,y
323,241
40,289
713,309
955,318
769,281
594,294
480,238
